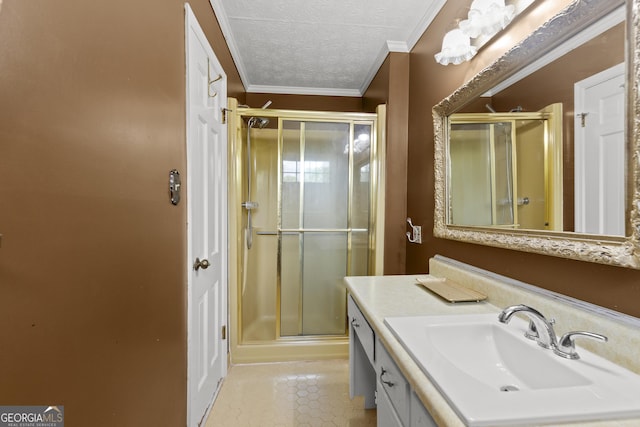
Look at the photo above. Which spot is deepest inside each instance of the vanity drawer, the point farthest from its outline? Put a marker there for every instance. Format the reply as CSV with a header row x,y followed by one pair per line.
x,y
361,327
393,382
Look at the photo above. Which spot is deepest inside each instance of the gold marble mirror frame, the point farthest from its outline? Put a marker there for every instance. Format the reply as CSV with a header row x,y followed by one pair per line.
x,y
618,251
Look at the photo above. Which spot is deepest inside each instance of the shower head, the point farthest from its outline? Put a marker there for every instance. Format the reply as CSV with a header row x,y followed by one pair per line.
x,y
259,122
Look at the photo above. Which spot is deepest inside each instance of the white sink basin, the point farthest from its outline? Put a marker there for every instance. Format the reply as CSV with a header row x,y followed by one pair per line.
x,y
492,375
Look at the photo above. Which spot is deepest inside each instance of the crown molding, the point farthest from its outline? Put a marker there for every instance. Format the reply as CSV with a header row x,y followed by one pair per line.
x,y
424,23
221,16
292,90
397,46
402,46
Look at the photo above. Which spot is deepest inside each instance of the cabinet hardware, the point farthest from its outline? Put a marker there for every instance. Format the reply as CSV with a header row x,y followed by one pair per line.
x,y
382,372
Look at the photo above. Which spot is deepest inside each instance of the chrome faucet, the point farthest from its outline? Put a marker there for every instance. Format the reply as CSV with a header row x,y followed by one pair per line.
x,y
566,346
540,328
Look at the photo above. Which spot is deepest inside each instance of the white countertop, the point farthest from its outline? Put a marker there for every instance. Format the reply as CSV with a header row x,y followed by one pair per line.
x,y
385,296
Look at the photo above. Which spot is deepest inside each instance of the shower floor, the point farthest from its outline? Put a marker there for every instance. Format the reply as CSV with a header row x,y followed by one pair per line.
x,y
289,394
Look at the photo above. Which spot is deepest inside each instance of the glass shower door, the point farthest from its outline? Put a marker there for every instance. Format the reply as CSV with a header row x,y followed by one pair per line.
x,y
316,216
482,174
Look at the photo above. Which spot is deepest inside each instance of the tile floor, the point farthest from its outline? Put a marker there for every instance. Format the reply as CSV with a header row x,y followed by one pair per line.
x,y
291,394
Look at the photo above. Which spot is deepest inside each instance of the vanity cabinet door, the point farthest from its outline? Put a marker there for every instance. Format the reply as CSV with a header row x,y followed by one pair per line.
x,y
420,417
386,414
362,374
392,383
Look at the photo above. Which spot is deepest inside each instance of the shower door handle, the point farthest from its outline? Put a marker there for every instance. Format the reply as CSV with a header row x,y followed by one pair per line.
x,y
204,264
267,233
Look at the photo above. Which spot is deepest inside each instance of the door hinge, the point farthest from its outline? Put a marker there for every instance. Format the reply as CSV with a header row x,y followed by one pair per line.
x,y
225,111
224,332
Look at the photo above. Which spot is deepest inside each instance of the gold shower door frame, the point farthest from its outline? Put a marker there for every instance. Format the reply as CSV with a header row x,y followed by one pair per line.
x,y
301,231
298,347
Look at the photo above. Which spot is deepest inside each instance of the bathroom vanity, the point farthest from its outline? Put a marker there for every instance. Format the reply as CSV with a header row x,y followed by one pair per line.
x,y
375,375
384,370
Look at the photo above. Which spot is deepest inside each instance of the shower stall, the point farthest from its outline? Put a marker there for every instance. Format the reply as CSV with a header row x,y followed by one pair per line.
x,y
505,169
304,210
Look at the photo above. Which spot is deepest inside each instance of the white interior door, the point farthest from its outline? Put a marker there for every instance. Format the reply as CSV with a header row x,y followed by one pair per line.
x,y
600,153
207,235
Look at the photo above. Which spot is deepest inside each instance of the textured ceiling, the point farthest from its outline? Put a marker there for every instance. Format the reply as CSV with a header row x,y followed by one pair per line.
x,y
319,47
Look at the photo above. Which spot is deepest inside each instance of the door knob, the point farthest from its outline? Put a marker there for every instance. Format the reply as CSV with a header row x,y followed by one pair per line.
x,y
204,264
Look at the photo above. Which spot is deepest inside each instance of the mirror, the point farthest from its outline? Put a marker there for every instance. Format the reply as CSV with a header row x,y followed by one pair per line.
x,y
518,163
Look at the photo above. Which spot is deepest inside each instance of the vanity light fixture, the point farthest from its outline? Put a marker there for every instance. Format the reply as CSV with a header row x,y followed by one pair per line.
x,y
484,20
487,17
456,48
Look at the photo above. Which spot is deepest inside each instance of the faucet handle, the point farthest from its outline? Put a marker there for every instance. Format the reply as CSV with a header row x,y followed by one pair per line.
x,y
566,346
532,331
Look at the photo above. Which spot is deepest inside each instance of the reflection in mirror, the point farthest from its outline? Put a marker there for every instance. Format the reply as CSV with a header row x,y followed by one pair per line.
x,y
590,197
505,170
533,153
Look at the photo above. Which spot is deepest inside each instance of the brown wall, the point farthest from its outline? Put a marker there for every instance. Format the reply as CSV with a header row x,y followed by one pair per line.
x,y
305,102
378,91
391,86
92,274
611,287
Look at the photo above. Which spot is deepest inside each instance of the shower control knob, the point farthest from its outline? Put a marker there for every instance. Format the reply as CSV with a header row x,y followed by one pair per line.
x,y
204,264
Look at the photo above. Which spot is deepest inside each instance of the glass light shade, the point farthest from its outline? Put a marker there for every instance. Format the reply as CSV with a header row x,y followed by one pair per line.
x,y
360,144
487,17
456,48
